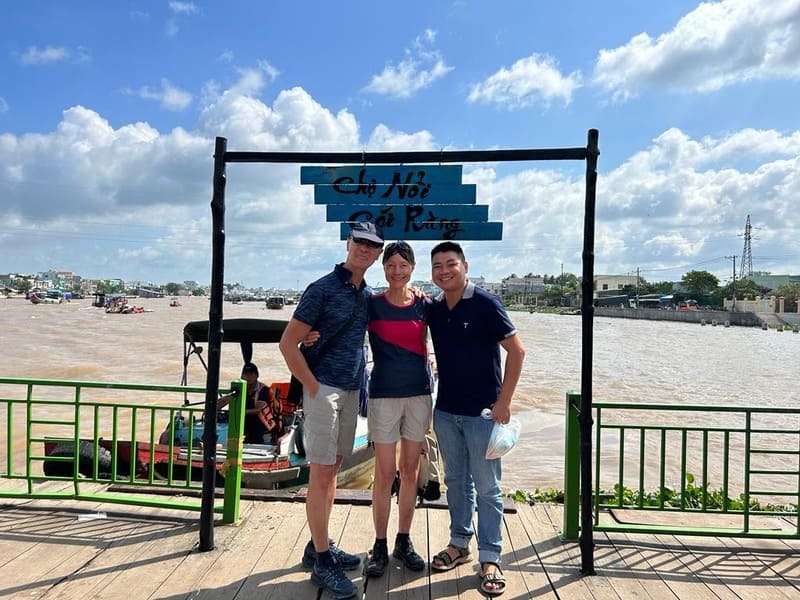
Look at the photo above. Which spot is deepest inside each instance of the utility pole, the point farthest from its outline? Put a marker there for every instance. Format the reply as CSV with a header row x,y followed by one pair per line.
x,y
561,286
637,287
733,283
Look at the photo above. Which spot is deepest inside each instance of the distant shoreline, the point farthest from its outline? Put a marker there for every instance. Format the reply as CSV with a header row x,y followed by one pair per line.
x,y
710,317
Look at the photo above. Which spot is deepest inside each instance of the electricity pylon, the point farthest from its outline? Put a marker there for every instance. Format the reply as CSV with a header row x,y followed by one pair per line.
x,y
746,269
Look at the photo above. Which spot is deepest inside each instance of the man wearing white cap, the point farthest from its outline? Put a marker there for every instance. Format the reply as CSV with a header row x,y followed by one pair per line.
x,y
331,372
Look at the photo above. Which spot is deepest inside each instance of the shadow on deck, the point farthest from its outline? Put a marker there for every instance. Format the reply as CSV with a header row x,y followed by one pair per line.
x,y
63,549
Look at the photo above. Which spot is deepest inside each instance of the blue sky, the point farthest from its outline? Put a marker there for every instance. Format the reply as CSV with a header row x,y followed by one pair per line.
x,y
109,111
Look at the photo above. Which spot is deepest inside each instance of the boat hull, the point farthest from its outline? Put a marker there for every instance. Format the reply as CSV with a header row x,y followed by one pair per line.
x,y
37,299
261,467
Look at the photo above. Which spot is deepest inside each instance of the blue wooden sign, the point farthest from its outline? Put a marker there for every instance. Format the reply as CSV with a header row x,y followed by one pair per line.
x,y
353,193
444,230
412,202
382,174
389,213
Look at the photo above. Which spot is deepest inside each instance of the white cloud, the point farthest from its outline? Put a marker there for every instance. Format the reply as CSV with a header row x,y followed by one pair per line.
x,y
225,56
54,54
183,8
384,139
716,45
681,200
251,81
418,70
270,71
170,97
294,122
677,205
136,196
178,9
535,79
3,105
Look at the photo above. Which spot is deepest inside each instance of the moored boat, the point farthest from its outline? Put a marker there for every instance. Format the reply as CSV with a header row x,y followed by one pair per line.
x,y
177,453
282,465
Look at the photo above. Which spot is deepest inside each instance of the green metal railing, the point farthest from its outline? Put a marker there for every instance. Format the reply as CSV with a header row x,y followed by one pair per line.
x,y
95,440
682,452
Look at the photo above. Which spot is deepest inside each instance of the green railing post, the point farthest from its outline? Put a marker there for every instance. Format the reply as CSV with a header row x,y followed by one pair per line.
x,y
41,426
572,468
233,460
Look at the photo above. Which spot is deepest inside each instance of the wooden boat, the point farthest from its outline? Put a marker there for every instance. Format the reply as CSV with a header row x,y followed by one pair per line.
x,y
263,466
283,465
278,466
48,297
178,453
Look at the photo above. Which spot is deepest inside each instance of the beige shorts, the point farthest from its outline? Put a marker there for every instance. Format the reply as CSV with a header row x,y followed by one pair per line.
x,y
330,424
392,418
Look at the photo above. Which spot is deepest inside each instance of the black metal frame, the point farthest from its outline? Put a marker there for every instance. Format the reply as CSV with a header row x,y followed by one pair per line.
x,y
589,153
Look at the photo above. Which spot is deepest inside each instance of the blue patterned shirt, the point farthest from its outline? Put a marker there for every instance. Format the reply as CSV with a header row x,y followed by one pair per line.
x,y
334,307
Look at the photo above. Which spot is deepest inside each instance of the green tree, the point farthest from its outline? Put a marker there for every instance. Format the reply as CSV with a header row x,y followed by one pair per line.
x,y
173,288
568,280
791,292
788,290
746,289
699,283
21,285
109,287
553,295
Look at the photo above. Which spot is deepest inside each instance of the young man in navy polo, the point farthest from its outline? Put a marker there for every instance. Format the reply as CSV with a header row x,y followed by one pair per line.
x,y
468,326
331,371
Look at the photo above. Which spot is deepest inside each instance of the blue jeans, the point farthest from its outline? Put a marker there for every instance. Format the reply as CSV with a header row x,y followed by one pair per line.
x,y
468,475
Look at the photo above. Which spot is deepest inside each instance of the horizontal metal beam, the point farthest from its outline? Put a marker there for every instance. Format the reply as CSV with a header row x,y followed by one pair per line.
x,y
444,156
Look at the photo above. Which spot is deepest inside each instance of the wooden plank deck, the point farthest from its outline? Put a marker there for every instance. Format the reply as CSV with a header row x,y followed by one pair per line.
x,y
75,550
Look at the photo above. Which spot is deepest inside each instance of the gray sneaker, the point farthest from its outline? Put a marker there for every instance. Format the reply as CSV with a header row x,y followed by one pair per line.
x,y
347,561
333,580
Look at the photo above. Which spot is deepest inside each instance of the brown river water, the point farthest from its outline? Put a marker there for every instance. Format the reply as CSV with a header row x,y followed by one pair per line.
x,y
634,362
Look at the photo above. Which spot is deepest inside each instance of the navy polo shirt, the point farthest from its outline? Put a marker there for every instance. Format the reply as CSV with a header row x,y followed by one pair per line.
x,y
467,340
329,305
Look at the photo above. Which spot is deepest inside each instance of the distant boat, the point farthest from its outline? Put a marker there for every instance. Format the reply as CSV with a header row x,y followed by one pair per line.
x,y
174,302
276,302
48,297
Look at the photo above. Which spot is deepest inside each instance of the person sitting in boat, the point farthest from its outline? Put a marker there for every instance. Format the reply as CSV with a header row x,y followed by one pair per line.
x,y
256,423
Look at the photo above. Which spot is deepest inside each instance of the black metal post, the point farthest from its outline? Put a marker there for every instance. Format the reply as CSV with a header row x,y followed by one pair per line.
x,y
222,157
587,316
214,348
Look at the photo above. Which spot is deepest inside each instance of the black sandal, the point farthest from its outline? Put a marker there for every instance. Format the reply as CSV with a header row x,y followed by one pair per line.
x,y
447,562
493,583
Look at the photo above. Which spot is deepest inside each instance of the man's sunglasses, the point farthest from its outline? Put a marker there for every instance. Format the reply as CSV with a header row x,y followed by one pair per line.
x,y
369,243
